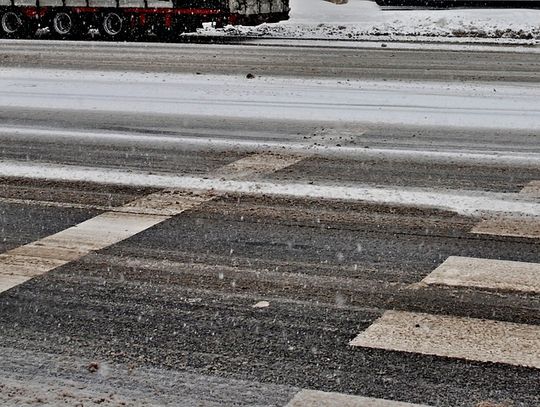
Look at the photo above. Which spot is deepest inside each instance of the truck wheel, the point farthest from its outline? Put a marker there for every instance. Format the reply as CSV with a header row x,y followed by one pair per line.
x,y
65,25
15,25
113,26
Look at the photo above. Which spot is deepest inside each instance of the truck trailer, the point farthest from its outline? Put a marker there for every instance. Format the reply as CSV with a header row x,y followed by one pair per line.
x,y
131,19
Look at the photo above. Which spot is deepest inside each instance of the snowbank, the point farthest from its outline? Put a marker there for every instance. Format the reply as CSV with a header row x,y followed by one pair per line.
x,y
358,19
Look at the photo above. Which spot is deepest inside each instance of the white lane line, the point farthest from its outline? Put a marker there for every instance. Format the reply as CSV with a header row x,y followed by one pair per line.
x,y
393,42
94,234
455,337
497,158
9,282
314,398
15,265
486,273
36,258
462,202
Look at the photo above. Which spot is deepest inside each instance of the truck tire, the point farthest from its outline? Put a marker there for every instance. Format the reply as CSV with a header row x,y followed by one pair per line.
x,y
14,24
113,25
65,25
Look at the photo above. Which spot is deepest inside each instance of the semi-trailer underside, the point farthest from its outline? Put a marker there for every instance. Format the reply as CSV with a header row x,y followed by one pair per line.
x,y
130,19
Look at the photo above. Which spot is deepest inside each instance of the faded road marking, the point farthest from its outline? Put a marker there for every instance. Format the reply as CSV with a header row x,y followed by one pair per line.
x,y
455,337
165,203
250,166
514,226
25,262
486,273
313,398
532,189
7,282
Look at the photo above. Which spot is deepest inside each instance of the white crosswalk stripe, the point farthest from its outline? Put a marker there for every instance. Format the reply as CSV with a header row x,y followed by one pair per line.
x,y
25,262
470,338
455,337
522,226
527,226
313,398
487,274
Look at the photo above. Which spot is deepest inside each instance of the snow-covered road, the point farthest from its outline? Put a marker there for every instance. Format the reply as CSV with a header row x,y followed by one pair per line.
x,y
503,106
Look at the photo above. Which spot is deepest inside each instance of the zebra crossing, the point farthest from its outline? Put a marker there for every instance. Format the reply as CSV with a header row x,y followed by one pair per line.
x,y
28,261
480,340
462,337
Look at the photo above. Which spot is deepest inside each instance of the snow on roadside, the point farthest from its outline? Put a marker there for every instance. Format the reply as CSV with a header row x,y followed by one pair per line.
x,y
358,19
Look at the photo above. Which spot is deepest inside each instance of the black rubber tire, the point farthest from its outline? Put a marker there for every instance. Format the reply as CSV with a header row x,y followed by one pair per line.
x,y
113,25
14,24
65,25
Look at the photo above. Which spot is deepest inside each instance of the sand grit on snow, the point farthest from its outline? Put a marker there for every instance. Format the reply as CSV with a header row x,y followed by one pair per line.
x,y
319,19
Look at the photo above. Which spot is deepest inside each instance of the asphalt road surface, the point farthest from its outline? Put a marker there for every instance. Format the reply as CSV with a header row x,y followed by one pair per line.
x,y
208,260
520,64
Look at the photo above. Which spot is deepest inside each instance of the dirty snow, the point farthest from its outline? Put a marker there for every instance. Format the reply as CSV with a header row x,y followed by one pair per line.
x,y
362,19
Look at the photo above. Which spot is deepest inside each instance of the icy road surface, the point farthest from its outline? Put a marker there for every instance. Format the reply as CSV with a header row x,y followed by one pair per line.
x,y
393,102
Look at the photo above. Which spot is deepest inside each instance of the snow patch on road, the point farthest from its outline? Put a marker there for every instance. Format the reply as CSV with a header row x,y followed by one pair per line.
x,y
501,106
